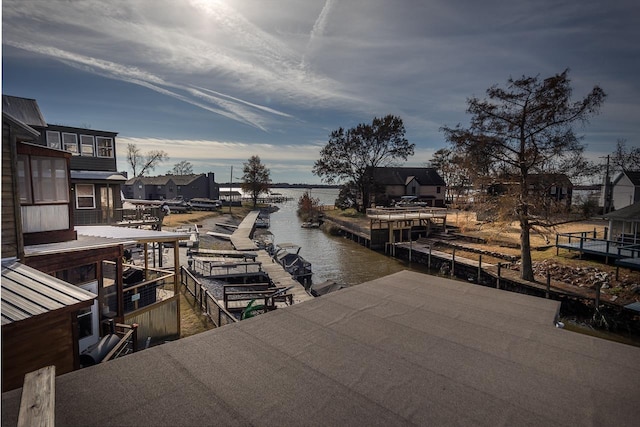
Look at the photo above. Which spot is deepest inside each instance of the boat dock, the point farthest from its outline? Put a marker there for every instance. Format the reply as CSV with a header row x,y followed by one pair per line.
x,y
246,261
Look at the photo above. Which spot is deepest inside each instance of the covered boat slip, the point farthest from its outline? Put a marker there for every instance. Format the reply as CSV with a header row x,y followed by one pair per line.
x,y
406,349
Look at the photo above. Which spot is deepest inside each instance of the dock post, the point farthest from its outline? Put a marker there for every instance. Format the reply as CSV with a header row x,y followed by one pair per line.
x,y
499,272
548,283
453,262
479,267
429,261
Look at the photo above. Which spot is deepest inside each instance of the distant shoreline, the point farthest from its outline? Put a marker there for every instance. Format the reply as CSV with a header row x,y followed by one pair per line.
x,y
283,185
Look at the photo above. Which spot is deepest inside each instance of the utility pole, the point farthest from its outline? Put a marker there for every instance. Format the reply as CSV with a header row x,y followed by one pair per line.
x,y
230,186
607,191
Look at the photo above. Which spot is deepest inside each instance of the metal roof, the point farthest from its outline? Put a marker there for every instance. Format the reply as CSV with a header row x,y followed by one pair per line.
x,y
82,243
27,292
137,234
23,109
97,175
27,130
406,349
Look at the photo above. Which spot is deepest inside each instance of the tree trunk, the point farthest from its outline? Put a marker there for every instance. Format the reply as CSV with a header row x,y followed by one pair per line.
x,y
526,272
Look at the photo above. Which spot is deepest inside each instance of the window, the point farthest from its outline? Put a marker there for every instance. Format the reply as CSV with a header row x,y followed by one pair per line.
x,y
70,142
438,190
85,196
86,144
49,178
105,146
24,183
53,139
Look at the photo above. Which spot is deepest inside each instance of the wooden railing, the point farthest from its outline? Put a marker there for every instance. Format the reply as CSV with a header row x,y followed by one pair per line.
x,y
235,299
128,341
206,302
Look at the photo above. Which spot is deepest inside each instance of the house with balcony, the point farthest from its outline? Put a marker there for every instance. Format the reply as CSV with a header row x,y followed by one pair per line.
x,y
95,181
164,187
63,285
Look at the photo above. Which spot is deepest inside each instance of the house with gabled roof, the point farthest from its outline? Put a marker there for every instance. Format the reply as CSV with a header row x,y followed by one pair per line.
x,y
625,189
393,183
161,187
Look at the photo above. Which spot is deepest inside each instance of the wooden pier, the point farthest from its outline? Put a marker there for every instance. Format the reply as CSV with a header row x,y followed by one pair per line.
x,y
247,261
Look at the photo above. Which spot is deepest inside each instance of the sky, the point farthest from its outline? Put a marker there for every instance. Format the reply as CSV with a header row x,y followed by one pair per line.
x,y
215,82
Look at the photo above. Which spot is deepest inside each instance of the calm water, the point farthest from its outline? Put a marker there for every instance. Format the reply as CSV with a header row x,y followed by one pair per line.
x,y
332,258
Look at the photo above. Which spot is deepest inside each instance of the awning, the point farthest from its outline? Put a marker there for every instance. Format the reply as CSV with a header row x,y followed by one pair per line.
x,y
98,176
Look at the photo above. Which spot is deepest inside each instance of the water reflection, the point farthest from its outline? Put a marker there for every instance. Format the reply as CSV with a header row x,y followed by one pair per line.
x,y
333,258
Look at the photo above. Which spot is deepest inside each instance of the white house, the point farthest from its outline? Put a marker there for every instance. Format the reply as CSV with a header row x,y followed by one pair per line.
x,y
625,189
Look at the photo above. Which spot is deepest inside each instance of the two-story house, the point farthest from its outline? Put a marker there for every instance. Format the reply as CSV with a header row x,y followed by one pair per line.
x,y
61,283
96,183
184,187
394,183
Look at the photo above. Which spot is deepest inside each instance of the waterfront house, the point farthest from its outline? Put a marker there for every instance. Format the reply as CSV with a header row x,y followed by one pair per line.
x,y
393,183
95,181
74,286
625,189
184,187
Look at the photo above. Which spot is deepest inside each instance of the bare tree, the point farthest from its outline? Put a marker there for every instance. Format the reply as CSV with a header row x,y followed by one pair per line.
x,y
625,158
142,163
183,167
526,129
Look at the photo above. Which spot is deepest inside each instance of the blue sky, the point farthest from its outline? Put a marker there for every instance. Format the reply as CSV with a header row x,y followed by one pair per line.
x,y
215,82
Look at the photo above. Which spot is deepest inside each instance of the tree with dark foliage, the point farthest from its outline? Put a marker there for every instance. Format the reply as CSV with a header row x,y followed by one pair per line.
x,y
524,129
352,154
256,179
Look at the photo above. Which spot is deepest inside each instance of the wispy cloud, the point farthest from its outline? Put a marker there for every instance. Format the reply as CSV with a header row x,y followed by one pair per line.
x,y
214,53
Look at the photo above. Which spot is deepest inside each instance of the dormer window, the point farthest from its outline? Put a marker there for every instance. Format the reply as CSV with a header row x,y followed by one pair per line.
x,y
70,142
104,146
87,145
53,139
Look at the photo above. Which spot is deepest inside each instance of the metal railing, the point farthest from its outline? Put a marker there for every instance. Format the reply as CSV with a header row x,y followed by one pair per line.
x,y
205,300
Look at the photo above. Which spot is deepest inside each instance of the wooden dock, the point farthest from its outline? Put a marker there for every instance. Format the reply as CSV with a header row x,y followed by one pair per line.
x,y
281,278
242,237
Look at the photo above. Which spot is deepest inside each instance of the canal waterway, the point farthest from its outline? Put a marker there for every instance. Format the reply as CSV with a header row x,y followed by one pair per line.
x,y
332,257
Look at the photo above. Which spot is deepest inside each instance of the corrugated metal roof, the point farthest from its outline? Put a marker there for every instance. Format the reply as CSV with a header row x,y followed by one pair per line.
x,y
98,175
24,109
28,131
27,292
137,234
82,243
